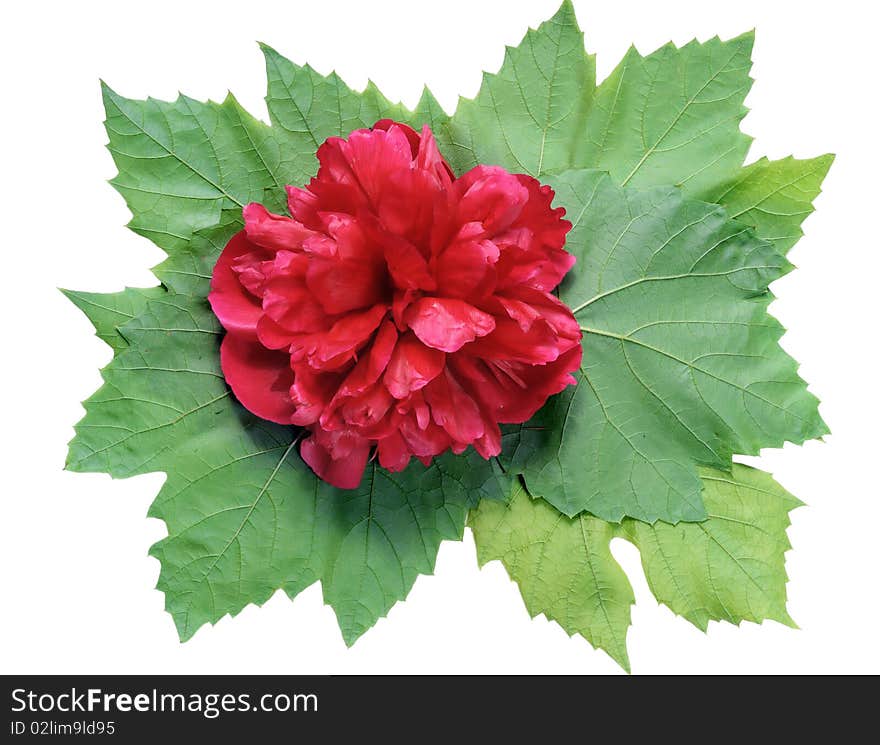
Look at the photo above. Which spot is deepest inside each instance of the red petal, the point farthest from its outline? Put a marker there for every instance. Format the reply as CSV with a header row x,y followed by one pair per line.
x,y
237,309
526,337
412,366
406,264
535,253
424,441
273,232
526,305
429,158
344,472
311,393
412,137
332,349
489,445
375,155
288,302
259,378
350,332
303,205
453,409
393,452
512,392
447,323
342,286
465,268
491,196
370,368
273,336
363,410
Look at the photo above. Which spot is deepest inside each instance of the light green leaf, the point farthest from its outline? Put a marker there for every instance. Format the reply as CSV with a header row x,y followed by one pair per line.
x,y
563,567
673,117
109,310
681,366
774,196
245,516
530,116
730,567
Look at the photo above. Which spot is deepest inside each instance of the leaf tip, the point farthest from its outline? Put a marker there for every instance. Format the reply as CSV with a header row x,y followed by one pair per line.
x,y
565,10
746,40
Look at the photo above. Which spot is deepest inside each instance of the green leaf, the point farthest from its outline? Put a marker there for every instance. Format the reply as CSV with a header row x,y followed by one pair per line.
x,y
563,567
182,163
245,516
682,365
774,196
673,117
388,532
187,270
429,111
108,311
730,567
530,116
306,108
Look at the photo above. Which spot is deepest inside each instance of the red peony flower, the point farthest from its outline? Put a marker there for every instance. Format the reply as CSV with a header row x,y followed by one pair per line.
x,y
399,307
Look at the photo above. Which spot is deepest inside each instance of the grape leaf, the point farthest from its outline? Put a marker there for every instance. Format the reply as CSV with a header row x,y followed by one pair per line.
x,y
563,567
387,532
306,108
109,310
774,196
428,111
187,270
245,516
673,117
182,163
730,567
682,365
530,116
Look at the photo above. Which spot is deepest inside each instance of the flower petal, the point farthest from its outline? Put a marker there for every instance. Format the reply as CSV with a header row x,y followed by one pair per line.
x,y
491,196
394,454
260,378
344,472
237,309
453,409
271,231
447,323
350,332
412,366
311,393
343,286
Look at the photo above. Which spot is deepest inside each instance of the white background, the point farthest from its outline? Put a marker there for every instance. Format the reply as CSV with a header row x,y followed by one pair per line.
x,y
77,584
